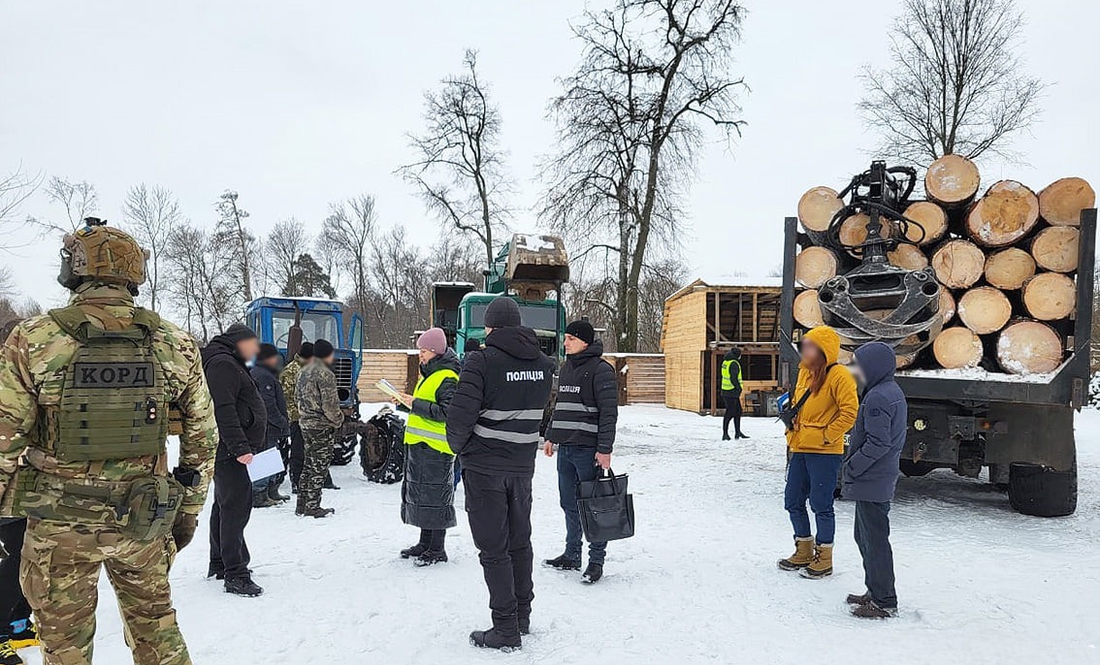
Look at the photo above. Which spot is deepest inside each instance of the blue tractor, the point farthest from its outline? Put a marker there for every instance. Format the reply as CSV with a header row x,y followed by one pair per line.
x,y
288,322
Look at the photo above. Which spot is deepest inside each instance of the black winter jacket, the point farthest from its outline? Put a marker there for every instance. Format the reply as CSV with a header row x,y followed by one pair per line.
x,y
238,409
271,392
427,494
494,418
587,407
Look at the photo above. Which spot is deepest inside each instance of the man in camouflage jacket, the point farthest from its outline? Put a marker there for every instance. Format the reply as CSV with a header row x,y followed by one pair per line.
x,y
320,417
62,558
289,379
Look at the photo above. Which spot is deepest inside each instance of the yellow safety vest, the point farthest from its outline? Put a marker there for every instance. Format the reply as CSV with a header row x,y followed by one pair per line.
x,y
419,429
727,381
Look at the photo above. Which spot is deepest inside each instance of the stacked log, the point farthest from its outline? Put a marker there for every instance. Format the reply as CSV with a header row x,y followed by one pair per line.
x,y
1006,261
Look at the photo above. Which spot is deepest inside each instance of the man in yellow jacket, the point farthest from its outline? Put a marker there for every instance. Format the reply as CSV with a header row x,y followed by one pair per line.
x,y
829,404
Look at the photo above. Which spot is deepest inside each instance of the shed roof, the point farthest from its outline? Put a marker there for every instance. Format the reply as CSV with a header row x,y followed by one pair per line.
x,y
732,284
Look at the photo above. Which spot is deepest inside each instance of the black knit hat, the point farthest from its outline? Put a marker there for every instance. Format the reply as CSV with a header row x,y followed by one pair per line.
x,y
582,330
322,349
503,312
239,332
306,352
267,351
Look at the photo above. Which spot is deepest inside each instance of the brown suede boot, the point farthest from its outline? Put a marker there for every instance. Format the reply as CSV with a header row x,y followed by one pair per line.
x,y
802,557
822,565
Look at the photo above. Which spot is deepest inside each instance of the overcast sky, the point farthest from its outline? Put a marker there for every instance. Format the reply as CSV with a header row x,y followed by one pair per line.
x,y
298,104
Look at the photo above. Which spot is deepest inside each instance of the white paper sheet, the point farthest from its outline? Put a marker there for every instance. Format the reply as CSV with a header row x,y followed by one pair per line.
x,y
265,464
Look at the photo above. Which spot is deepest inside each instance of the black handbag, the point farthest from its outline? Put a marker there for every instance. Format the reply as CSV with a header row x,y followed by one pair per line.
x,y
607,510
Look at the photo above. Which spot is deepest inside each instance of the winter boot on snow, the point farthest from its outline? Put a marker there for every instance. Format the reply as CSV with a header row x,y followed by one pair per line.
x,y
243,586
430,558
858,599
318,512
414,552
822,565
563,563
329,485
262,500
870,610
495,638
8,656
275,495
23,635
215,571
593,573
726,437
802,557
741,435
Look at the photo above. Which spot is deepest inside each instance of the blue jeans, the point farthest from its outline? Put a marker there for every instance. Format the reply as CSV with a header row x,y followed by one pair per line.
x,y
577,464
812,476
873,539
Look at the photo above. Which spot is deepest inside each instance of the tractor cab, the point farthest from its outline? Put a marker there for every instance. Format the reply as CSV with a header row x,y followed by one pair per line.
x,y
288,322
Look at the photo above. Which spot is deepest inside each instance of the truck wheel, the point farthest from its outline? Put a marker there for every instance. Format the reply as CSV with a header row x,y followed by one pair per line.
x,y
913,469
1036,490
344,451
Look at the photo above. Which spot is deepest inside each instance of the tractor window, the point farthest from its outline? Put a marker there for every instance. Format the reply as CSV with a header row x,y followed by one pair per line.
x,y
538,318
314,327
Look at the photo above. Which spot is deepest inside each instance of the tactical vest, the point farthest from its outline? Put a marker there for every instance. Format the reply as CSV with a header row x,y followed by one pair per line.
x,y
727,375
113,404
419,429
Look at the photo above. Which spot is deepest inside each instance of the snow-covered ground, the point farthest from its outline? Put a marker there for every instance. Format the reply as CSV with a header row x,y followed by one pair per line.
x,y
698,584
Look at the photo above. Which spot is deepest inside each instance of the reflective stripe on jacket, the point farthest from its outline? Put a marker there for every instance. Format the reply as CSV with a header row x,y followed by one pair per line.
x,y
420,429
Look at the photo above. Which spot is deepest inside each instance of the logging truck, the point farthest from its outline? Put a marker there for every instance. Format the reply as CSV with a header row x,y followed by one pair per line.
x,y
987,301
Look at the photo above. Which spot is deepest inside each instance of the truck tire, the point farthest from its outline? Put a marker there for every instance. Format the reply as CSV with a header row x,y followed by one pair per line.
x,y
344,451
913,469
1039,491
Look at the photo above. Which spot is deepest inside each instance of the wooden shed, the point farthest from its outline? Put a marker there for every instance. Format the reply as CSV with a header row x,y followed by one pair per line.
x,y
703,321
641,377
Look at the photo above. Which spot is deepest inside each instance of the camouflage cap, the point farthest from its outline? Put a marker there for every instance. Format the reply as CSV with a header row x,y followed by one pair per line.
x,y
103,254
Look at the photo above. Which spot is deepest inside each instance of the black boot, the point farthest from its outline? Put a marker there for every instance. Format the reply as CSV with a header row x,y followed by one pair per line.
x,y
494,638
861,599
275,495
563,563
593,573
725,437
742,435
414,552
243,586
215,571
317,513
329,485
431,557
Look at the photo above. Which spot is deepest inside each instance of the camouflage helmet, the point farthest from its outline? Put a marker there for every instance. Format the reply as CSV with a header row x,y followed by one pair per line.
x,y
98,253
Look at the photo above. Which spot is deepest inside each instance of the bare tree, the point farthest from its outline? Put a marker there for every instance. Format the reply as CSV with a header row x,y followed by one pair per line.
x,y
231,230
15,189
151,214
956,84
346,236
285,244
653,76
459,167
453,260
400,285
79,199
205,288
7,283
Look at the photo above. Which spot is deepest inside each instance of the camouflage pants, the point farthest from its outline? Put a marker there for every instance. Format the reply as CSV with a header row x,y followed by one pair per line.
x,y
60,572
318,456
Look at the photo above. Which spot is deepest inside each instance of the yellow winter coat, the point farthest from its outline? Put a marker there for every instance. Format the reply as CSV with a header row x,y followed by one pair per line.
x,y
829,413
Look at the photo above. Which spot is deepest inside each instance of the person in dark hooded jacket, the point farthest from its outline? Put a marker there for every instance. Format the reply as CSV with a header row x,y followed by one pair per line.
x,y
242,432
583,427
427,494
265,372
493,426
871,475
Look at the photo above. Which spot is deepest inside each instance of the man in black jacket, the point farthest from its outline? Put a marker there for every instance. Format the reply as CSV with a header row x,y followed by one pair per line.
x,y
265,372
583,426
242,431
493,427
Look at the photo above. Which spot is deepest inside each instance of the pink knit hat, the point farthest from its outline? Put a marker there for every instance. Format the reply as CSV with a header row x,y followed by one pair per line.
x,y
434,340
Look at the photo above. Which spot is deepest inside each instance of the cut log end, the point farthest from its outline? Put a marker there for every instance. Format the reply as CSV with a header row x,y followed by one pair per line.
x,y
947,305
1009,268
807,310
817,207
931,222
1050,296
1029,347
958,264
952,180
814,266
853,231
908,256
1062,201
957,347
1056,248
984,310
1005,215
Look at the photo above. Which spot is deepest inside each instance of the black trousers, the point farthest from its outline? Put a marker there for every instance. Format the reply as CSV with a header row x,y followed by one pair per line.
x,y
13,605
872,535
297,454
230,515
434,539
732,400
499,508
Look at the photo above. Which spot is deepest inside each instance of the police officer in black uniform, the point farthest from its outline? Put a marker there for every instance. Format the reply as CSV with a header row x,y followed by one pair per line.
x,y
493,427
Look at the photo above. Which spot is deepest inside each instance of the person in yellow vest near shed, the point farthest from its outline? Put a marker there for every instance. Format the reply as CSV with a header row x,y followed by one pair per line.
x,y
427,495
731,394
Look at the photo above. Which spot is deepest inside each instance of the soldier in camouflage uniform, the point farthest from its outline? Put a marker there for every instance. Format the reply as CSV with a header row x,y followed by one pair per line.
x,y
320,418
84,399
289,379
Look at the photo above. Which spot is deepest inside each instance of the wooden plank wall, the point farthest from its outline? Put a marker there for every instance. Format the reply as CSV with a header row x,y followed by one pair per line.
x,y
398,367
685,336
643,382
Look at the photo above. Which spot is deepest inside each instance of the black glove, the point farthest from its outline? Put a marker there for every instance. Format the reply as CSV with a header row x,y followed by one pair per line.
x,y
183,530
